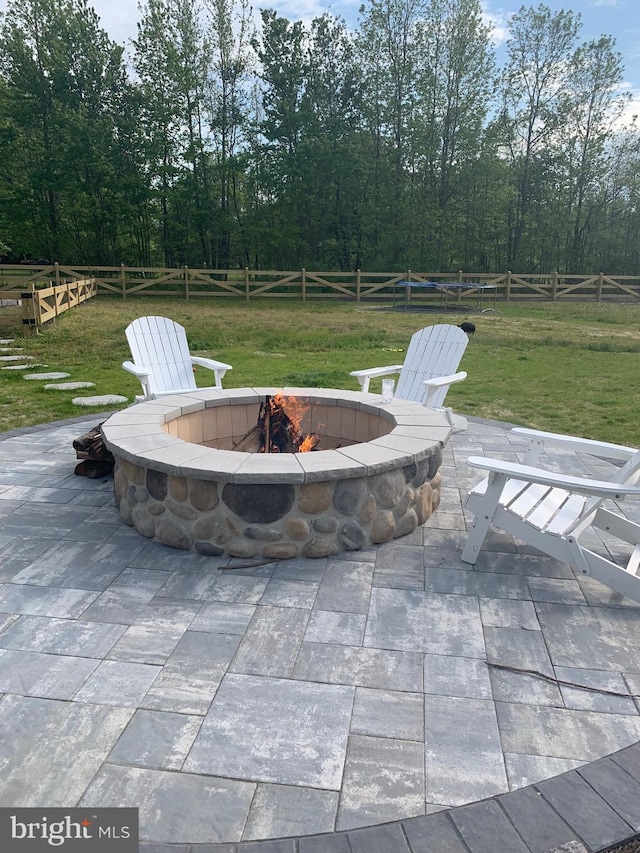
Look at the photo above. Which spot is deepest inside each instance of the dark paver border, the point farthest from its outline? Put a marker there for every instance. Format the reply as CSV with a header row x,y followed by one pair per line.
x,y
592,808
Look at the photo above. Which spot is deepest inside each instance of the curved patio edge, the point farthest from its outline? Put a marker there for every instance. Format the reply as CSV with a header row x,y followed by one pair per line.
x,y
591,808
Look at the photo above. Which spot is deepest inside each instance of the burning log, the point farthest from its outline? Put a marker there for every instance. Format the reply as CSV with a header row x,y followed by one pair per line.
x,y
277,429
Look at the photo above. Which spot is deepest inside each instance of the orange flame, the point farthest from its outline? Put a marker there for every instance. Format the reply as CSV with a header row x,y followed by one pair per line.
x,y
295,409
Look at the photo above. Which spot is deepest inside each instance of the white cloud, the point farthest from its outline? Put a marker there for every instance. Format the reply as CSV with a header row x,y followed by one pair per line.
x,y
497,19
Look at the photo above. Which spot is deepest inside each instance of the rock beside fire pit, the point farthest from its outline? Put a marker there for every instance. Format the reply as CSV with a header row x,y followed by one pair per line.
x,y
276,506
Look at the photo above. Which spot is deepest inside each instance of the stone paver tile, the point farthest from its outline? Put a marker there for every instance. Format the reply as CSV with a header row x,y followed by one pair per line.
x,y
383,780
65,742
425,622
6,620
618,788
528,565
61,636
44,601
399,567
592,700
536,822
221,617
433,833
331,626
508,613
523,770
345,587
592,819
388,714
485,828
178,808
278,811
590,637
518,687
248,732
125,599
156,739
378,839
557,590
300,570
44,675
36,495
629,760
155,633
563,733
190,585
379,668
191,676
118,683
271,642
517,648
157,556
51,522
285,593
446,675
486,584
464,759
337,842
597,593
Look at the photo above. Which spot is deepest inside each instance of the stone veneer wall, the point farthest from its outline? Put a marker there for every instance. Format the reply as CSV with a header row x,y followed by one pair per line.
x,y
278,520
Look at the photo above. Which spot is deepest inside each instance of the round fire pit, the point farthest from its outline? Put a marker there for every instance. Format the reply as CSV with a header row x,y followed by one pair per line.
x,y
180,478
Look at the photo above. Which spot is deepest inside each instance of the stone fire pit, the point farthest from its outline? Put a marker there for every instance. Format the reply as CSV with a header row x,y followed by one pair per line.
x,y
177,478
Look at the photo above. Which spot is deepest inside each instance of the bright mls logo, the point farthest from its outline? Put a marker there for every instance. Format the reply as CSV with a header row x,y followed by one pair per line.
x,y
34,830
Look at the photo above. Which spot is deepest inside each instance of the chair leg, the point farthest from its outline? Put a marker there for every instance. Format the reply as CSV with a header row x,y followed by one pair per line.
x,y
478,532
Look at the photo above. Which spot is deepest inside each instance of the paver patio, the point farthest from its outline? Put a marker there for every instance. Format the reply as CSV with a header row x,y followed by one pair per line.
x,y
233,702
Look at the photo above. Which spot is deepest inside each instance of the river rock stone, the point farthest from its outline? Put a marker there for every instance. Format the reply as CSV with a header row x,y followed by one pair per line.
x,y
241,548
314,498
280,551
181,510
384,526
263,534
320,548
157,484
296,528
178,488
352,536
208,549
435,461
171,533
423,507
260,503
388,488
204,495
367,510
143,522
406,524
325,524
156,508
410,472
205,526
348,495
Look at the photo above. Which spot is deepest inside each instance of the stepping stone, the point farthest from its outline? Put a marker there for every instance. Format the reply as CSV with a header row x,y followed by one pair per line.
x,y
104,400
69,386
10,349
17,357
47,376
6,341
23,366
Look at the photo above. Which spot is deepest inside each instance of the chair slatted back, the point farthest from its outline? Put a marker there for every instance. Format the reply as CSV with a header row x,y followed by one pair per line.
x,y
161,344
434,351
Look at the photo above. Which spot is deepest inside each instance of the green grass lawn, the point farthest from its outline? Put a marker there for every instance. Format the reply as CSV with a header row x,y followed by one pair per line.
x,y
564,367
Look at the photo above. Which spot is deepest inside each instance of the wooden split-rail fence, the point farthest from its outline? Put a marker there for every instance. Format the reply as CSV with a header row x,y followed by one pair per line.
x,y
45,291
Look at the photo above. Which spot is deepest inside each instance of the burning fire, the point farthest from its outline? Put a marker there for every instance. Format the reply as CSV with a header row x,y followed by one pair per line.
x,y
295,409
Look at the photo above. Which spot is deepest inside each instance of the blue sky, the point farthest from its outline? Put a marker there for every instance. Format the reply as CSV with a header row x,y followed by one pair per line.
x,y
618,18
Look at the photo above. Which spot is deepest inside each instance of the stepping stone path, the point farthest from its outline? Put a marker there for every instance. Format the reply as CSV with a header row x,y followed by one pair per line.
x,y
104,400
69,386
47,376
23,366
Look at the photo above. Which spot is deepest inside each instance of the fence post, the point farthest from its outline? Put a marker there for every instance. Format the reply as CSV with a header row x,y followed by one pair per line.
x,y
358,285
554,285
507,288
304,284
57,273
599,288
186,282
123,281
246,283
459,289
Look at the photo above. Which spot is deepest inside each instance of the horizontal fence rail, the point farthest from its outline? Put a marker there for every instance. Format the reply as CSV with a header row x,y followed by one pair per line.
x,y
188,283
43,302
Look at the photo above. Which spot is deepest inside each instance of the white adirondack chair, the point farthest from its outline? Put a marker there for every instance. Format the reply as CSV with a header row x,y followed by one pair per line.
x,y
161,358
559,514
429,369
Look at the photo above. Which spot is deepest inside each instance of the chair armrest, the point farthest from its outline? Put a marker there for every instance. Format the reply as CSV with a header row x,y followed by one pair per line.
x,y
219,367
439,381
364,376
528,474
137,371
580,445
